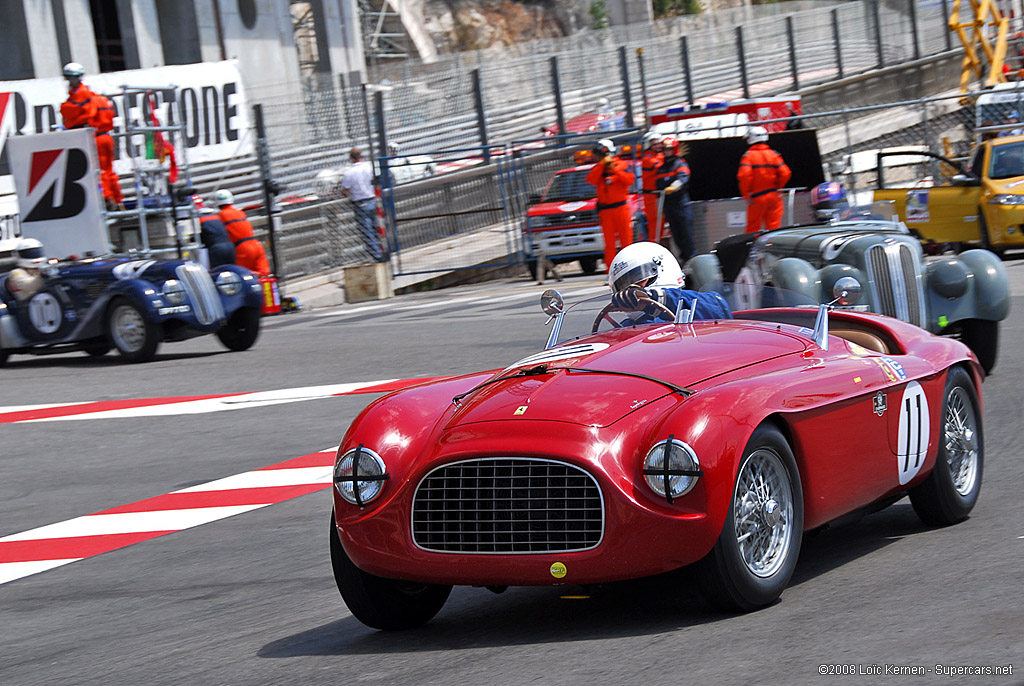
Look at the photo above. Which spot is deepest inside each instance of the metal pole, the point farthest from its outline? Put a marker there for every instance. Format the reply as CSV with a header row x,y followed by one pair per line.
x,y
366,116
741,55
556,86
684,50
263,159
481,115
792,52
626,94
945,25
877,17
913,28
835,39
643,86
382,138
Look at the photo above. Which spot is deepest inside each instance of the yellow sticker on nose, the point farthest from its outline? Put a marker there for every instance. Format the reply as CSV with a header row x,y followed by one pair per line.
x,y
520,410
557,570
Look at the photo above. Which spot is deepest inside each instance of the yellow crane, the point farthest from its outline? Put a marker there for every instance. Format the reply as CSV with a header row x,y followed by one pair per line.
x,y
979,49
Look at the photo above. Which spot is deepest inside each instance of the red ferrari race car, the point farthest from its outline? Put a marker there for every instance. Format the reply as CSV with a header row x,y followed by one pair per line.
x,y
630,448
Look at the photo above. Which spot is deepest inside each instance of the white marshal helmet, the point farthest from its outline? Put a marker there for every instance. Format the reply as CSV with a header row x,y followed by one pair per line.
x,y
651,138
756,134
605,144
74,69
223,197
30,254
639,262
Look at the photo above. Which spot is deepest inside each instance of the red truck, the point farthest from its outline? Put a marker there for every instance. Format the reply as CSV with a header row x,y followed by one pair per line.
x,y
562,223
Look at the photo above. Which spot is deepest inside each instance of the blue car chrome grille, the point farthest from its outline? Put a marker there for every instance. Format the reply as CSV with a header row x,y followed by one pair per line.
x,y
894,270
507,505
202,292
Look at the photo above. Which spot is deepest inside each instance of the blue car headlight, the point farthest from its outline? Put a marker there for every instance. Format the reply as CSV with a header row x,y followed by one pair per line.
x,y
359,475
173,292
229,283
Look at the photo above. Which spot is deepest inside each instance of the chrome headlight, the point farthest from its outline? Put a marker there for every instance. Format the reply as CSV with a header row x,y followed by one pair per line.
x,y
359,480
675,476
229,283
1006,199
173,292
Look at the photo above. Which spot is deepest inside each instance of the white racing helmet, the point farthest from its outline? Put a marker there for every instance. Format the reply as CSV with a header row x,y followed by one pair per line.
x,y
74,69
651,138
639,262
223,197
30,254
756,134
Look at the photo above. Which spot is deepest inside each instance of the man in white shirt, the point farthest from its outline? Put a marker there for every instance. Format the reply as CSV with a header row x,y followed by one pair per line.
x,y
357,184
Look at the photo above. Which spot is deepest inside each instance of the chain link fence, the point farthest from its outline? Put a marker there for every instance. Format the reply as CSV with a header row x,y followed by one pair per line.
x,y
442,119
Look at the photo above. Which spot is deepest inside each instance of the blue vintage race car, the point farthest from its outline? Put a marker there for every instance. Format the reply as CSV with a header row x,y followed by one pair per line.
x,y
130,304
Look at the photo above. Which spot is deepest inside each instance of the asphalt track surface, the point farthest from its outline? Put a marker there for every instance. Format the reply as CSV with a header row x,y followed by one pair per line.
x,y
250,598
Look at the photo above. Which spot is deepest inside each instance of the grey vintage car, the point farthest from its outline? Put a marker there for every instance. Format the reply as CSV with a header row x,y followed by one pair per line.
x,y
965,295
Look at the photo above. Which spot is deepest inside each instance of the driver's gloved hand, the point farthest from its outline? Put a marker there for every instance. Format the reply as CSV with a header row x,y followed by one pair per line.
x,y
629,297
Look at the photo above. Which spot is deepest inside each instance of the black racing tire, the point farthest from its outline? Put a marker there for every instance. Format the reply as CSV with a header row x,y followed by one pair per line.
x,y
951,490
379,603
982,337
135,337
986,242
96,348
241,330
589,265
756,553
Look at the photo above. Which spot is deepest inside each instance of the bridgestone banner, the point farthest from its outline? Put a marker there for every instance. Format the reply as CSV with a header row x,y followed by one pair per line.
x,y
208,98
58,192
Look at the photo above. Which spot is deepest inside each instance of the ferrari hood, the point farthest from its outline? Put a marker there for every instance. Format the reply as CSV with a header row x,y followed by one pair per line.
x,y
598,381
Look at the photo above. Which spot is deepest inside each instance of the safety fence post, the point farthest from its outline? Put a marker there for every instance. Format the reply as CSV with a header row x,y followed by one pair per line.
x,y
387,188
835,39
269,188
643,85
945,25
684,51
626,94
366,116
877,18
556,87
481,114
913,28
742,58
792,52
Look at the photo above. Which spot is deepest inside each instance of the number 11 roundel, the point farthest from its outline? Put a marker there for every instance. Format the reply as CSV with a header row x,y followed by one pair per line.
x,y
914,432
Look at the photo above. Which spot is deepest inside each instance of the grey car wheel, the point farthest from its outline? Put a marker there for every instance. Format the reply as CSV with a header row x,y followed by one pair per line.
x,y
134,337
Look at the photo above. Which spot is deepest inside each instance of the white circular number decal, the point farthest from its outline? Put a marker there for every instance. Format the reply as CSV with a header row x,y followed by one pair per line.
x,y
45,313
914,432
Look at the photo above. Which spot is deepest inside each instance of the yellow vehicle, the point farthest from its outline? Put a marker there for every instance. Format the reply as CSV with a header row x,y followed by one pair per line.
x,y
983,204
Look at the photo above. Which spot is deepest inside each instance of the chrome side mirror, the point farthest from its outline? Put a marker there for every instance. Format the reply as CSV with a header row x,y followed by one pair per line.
x,y
551,302
553,305
847,291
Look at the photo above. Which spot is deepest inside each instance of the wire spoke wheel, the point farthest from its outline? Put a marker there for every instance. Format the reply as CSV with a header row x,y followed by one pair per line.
x,y
961,440
763,512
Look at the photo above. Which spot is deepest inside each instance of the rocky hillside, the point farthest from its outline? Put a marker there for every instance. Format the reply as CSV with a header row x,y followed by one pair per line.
x,y
457,25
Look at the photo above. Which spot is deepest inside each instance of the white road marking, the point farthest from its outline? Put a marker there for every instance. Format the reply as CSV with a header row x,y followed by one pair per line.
x,y
267,477
132,522
235,402
10,571
27,408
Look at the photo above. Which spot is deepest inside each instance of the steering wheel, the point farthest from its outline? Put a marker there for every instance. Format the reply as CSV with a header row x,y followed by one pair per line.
x,y
644,303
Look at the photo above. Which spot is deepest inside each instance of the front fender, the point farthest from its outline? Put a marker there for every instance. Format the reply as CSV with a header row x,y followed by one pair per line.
x,y
797,275
991,284
973,285
702,270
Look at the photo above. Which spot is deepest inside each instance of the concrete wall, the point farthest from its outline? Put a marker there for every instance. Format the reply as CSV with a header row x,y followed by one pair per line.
x,y
80,35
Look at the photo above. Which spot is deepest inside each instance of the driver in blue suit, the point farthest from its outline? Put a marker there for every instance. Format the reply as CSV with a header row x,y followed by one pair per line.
x,y
650,271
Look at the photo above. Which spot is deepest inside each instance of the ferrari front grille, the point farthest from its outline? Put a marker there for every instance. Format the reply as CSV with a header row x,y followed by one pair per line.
x,y
202,292
894,271
507,505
